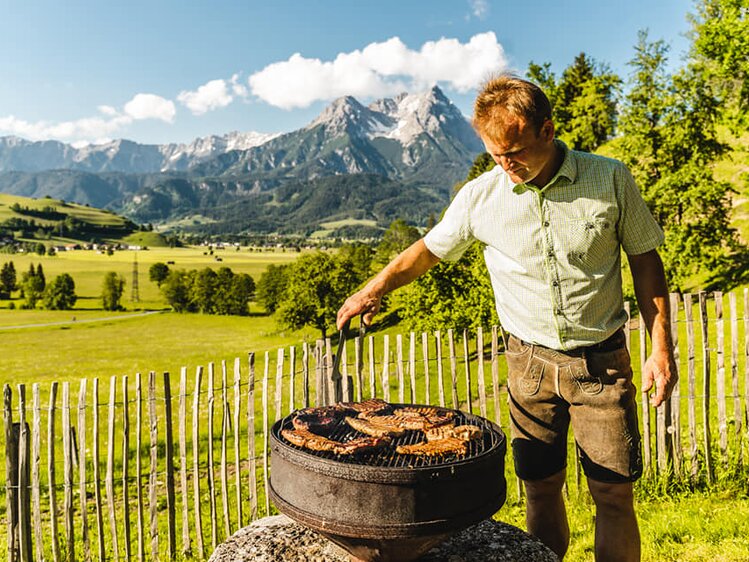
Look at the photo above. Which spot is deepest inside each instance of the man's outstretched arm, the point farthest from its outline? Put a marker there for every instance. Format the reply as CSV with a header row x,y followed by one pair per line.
x,y
407,266
652,298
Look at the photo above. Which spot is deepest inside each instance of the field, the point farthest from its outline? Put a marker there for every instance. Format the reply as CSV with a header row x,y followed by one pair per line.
x,y
88,268
89,342
676,525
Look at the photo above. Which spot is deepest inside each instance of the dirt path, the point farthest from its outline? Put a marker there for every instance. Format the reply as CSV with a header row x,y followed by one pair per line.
x,y
84,321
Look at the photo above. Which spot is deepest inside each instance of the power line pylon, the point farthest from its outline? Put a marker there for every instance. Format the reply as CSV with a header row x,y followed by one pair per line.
x,y
135,295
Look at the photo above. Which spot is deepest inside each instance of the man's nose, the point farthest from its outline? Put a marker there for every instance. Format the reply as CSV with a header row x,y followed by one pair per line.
x,y
504,161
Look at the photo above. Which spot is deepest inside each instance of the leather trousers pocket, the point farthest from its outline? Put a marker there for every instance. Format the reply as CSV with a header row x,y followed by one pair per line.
x,y
524,370
588,383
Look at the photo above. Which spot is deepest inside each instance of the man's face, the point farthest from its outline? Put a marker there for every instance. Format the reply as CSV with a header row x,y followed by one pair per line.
x,y
521,151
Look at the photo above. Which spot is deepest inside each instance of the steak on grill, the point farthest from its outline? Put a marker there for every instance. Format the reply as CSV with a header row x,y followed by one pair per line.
x,y
373,405
407,420
446,446
462,432
309,440
370,426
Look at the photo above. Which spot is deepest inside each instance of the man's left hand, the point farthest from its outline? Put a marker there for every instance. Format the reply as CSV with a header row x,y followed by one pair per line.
x,y
660,371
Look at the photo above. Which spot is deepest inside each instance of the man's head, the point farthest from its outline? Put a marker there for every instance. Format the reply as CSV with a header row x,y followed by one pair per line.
x,y
513,118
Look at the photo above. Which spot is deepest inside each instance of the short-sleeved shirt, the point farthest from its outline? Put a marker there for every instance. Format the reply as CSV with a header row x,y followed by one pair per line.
x,y
553,253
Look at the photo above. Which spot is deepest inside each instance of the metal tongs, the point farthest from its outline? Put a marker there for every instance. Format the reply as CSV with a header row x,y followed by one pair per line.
x,y
336,375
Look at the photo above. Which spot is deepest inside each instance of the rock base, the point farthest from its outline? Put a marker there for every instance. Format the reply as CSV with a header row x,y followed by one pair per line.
x,y
279,539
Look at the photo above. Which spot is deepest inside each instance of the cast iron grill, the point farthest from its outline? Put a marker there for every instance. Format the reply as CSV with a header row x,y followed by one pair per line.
x,y
387,457
382,506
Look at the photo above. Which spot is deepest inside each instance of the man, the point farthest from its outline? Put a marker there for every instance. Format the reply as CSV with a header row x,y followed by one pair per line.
x,y
553,222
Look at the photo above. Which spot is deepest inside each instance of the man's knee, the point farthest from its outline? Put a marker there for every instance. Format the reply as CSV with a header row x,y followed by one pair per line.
x,y
545,489
616,496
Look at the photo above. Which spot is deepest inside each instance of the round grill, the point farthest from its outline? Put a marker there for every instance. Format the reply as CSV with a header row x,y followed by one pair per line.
x,y
382,505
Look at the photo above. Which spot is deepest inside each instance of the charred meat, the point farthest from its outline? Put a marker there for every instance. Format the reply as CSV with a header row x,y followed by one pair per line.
x,y
462,432
309,440
446,446
369,426
373,406
320,420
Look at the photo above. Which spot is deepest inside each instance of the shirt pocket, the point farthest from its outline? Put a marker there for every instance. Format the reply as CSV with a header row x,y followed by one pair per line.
x,y
590,243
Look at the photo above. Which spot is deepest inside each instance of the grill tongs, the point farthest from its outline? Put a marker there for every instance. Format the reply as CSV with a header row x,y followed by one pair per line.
x,y
336,376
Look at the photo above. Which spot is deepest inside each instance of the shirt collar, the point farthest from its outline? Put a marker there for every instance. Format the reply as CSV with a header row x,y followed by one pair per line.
x,y
567,170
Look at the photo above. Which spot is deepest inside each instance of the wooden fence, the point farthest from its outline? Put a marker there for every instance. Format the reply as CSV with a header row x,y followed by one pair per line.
x,y
152,474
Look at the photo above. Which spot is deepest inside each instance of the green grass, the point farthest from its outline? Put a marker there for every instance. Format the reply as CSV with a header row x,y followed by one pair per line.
x,y
90,215
692,528
145,239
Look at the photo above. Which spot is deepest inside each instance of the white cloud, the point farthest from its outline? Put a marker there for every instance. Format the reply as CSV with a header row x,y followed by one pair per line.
x,y
89,127
150,106
106,125
108,110
238,88
211,95
379,69
479,8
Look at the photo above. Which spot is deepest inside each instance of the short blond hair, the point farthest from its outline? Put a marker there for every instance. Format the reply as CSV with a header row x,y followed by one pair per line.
x,y
505,95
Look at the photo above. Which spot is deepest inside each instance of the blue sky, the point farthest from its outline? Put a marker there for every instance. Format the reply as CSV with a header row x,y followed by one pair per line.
x,y
169,71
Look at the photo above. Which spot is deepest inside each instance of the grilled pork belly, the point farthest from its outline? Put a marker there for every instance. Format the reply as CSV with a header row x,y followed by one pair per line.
x,y
370,426
446,446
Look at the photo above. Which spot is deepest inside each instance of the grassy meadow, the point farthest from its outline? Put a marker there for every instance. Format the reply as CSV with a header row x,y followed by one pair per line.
x,y
677,523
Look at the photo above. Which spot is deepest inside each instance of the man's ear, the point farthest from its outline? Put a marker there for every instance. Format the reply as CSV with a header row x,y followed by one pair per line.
x,y
547,130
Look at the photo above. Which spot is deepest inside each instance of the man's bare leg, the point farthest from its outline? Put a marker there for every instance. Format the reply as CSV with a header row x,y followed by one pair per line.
x,y
617,535
545,515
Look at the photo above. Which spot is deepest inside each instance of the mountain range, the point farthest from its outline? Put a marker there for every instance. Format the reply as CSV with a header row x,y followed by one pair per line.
x,y
407,150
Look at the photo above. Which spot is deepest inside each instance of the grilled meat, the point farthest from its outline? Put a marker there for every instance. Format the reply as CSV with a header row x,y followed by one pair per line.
x,y
462,432
362,445
320,420
373,406
397,422
423,411
410,419
446,446
309,440
371,427
435,416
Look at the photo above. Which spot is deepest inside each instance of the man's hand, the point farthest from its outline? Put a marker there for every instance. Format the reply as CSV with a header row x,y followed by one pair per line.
x,y
365,302
407,266
659,371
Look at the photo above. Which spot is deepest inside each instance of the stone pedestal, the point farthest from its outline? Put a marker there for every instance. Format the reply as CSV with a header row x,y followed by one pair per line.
x,y
279,539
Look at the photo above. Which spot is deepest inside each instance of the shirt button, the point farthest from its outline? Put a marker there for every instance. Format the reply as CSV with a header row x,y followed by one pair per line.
x,y
557,311
546,224
555,283
550,253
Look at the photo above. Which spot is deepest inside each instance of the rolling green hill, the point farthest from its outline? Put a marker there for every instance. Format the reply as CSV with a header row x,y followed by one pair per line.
x,y
54,221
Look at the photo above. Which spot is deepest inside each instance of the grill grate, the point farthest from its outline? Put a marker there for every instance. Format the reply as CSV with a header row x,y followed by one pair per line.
x,y
388,458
